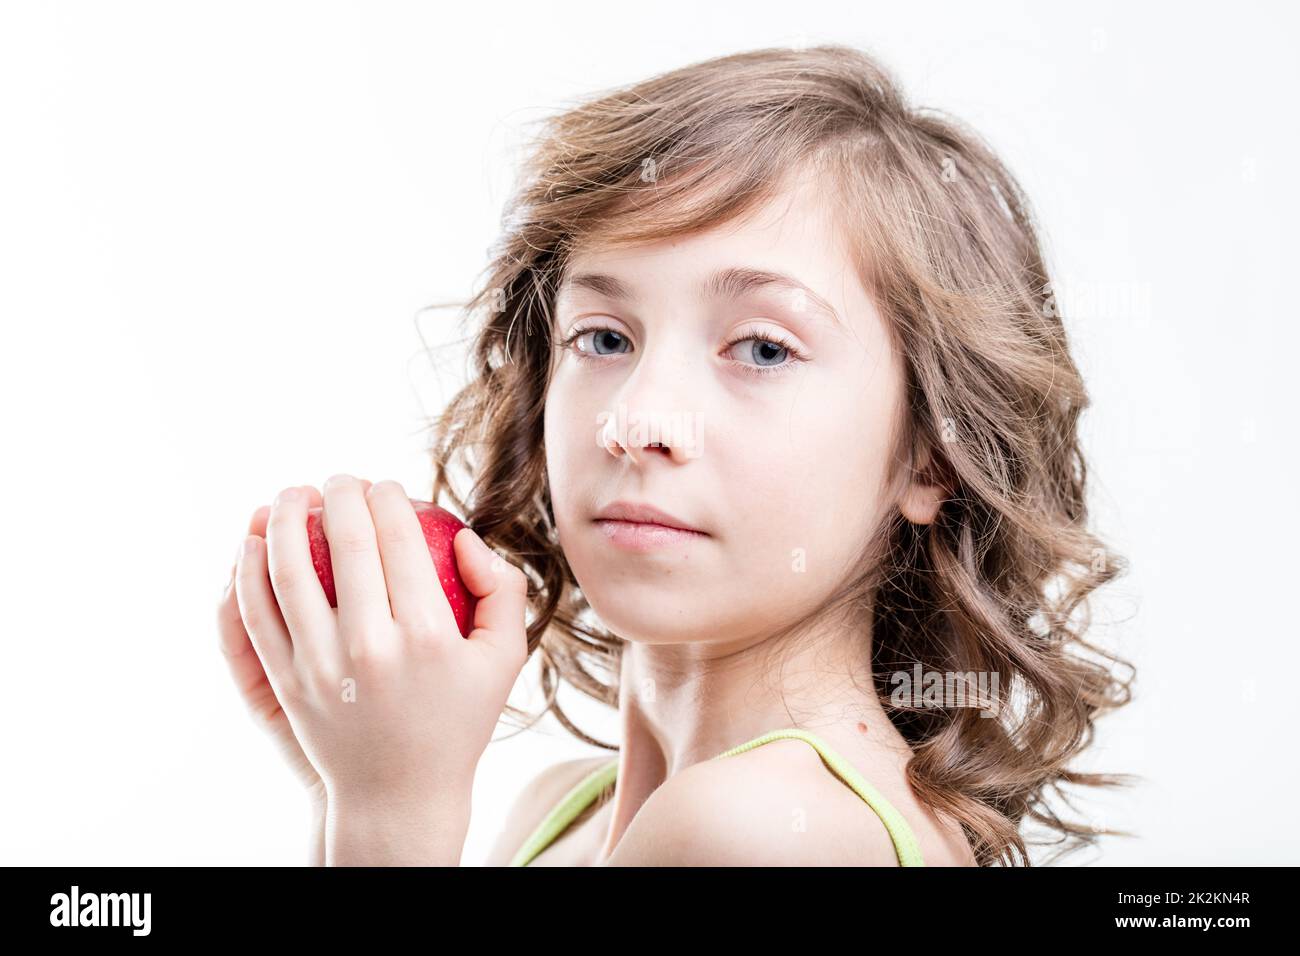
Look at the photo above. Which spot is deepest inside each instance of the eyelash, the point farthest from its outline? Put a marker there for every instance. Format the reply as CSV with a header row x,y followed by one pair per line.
x,y
746,336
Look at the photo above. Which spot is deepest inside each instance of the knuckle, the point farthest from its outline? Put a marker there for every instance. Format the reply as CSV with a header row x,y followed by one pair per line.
x,y
422,631
361,653
253,624
361,597
352,542
389,534
366,656
515,577
284,579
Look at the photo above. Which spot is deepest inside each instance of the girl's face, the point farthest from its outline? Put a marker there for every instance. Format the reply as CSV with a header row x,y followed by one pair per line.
x,y
776,451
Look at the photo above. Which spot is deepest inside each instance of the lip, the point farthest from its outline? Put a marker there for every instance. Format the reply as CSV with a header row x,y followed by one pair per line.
x,y
638,512
644,536
637,526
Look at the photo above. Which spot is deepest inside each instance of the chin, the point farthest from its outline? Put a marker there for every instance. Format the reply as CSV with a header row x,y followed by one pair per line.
x,y
643,612
651,615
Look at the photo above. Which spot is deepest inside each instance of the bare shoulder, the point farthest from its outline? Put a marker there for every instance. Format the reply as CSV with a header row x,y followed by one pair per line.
x,y
538,796
775,805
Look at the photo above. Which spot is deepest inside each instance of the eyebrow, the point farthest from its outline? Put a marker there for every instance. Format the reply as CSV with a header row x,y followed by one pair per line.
x,y
732,282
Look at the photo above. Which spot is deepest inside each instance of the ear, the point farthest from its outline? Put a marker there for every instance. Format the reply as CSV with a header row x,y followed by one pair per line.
x,y
923,497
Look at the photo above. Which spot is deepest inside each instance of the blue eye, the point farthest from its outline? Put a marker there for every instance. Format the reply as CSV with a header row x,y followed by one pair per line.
x,y
597,336
766,350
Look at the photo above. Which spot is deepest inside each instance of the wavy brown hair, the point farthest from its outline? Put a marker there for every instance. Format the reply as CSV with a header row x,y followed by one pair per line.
x,y
944,240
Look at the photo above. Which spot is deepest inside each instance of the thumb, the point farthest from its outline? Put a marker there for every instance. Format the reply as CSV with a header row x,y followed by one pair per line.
x,y
501,590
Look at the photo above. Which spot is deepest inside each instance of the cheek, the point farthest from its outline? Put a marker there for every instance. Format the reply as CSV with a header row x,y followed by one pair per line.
x,y
573,454
806,492
571,411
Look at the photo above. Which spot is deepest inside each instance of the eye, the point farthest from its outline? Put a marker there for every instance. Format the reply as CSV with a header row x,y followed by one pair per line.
x,y
767,351
602,338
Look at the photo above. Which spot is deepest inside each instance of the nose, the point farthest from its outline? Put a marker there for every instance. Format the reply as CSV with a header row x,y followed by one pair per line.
x,y
640,438
647,421
638,452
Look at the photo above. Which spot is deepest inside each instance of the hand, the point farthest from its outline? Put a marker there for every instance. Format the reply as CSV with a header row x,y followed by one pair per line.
x,y
250,677
392,706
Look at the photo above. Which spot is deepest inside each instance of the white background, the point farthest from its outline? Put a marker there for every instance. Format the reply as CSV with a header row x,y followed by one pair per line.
x,y
218,225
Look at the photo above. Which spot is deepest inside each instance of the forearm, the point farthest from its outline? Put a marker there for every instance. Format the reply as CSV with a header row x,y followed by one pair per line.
x,y
368,832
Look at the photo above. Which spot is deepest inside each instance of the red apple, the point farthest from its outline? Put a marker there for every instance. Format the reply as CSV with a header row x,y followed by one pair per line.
x,y
440,527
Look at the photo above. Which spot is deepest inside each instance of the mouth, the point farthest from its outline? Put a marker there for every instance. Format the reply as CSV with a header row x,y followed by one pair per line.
x,y
633,512
637,526
646,536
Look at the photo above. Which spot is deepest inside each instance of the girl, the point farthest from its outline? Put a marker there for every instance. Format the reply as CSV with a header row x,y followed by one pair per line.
x,y
774,419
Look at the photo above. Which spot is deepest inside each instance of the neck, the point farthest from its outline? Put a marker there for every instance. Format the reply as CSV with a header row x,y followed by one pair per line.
x,y
684,703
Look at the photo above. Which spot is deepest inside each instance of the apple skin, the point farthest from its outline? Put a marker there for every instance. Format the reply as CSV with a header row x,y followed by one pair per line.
x,y
440,527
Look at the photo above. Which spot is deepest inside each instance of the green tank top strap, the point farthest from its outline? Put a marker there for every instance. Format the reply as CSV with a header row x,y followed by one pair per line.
x,y
905,845
564,812
593,784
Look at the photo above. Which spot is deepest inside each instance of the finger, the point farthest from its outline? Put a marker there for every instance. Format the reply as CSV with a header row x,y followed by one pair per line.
x,y
306,610
363,609
245,666
257,609
313,496
415,594
501,590
257,523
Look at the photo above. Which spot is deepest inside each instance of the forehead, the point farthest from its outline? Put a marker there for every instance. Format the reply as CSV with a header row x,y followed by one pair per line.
x,y
789,245
794,222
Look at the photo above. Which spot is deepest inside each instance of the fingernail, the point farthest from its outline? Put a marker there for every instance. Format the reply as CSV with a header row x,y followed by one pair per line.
x,y
250,544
